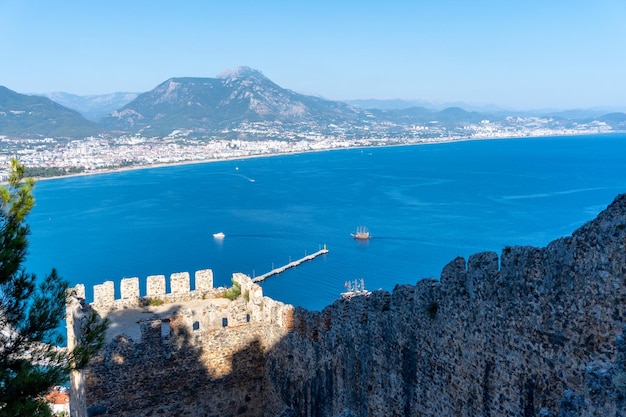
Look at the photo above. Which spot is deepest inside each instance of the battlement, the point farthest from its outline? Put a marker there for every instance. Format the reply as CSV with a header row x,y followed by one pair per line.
x,y
130,296
203,309
232,328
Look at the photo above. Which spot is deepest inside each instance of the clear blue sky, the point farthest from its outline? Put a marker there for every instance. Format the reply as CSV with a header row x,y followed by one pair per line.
x,y
520,54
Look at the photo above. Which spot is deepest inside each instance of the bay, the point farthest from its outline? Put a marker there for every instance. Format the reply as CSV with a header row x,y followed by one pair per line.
x,y
424,205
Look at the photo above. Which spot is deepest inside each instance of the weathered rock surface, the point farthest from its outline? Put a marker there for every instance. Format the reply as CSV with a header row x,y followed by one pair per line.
x,y
534,332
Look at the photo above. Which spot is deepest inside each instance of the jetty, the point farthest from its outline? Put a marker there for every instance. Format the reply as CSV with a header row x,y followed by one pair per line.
x,y
291,265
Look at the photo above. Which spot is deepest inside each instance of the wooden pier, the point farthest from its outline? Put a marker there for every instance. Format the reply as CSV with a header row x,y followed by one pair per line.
x,y
290,265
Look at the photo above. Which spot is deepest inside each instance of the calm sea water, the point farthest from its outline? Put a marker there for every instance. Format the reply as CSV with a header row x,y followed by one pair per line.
x,y
424,205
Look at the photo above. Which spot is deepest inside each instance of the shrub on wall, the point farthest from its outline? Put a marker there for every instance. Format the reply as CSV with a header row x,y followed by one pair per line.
x,y
233,292
153,302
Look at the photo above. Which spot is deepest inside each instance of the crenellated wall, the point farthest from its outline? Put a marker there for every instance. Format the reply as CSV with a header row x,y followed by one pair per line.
x,y
196,341
532,332
529,332
180,290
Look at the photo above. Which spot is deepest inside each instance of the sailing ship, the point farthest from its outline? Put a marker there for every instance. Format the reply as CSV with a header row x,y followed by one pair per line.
x,y
361,233
354,288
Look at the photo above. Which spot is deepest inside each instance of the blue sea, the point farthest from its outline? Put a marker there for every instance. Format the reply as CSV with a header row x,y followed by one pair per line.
x,y
424,205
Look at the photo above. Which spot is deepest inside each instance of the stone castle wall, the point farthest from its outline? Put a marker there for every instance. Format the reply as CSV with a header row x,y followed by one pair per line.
x,y
76,312
180,290
197,349
531,332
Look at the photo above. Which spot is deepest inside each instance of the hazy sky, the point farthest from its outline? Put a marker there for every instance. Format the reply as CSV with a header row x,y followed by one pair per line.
x,y
520,54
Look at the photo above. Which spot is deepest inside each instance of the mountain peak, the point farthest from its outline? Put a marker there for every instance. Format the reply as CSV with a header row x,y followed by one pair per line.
x,y
240,72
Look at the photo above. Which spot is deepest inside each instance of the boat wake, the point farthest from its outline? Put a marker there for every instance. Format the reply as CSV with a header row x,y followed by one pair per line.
x,y
252,236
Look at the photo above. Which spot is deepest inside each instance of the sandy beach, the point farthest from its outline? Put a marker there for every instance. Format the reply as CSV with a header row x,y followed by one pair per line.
x,y
269,155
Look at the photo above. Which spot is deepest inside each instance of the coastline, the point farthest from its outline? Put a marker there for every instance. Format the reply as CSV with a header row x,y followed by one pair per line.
x,y
119,226
173,164
269,155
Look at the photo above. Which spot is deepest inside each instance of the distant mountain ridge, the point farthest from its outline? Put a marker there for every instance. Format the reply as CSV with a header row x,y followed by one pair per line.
x,y
240,99
491,109
39,117
92,107
398,104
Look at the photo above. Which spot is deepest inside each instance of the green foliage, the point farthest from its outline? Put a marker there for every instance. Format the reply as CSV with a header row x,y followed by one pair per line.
x,y
233,292
91,340
154,302
41,118
43,172
30,362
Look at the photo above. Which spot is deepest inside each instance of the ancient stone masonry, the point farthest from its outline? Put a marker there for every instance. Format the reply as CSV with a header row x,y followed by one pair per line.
x,y
191,348
75,313
541,334
529,332
180,284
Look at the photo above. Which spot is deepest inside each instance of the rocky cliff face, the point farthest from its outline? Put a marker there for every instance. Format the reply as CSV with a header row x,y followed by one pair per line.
x,y
538,332
532,332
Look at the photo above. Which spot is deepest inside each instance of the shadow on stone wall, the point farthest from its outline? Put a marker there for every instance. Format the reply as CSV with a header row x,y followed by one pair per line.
x,y
532,332
175,376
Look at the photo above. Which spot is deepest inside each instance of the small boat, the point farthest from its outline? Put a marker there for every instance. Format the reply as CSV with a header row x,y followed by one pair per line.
x,y
361,233
219,235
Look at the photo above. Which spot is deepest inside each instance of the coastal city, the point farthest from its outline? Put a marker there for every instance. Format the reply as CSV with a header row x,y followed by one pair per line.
x,y
59,156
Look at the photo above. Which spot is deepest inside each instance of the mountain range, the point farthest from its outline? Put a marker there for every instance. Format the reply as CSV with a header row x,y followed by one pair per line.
x,y
33,116
206,105
236,99
93,107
